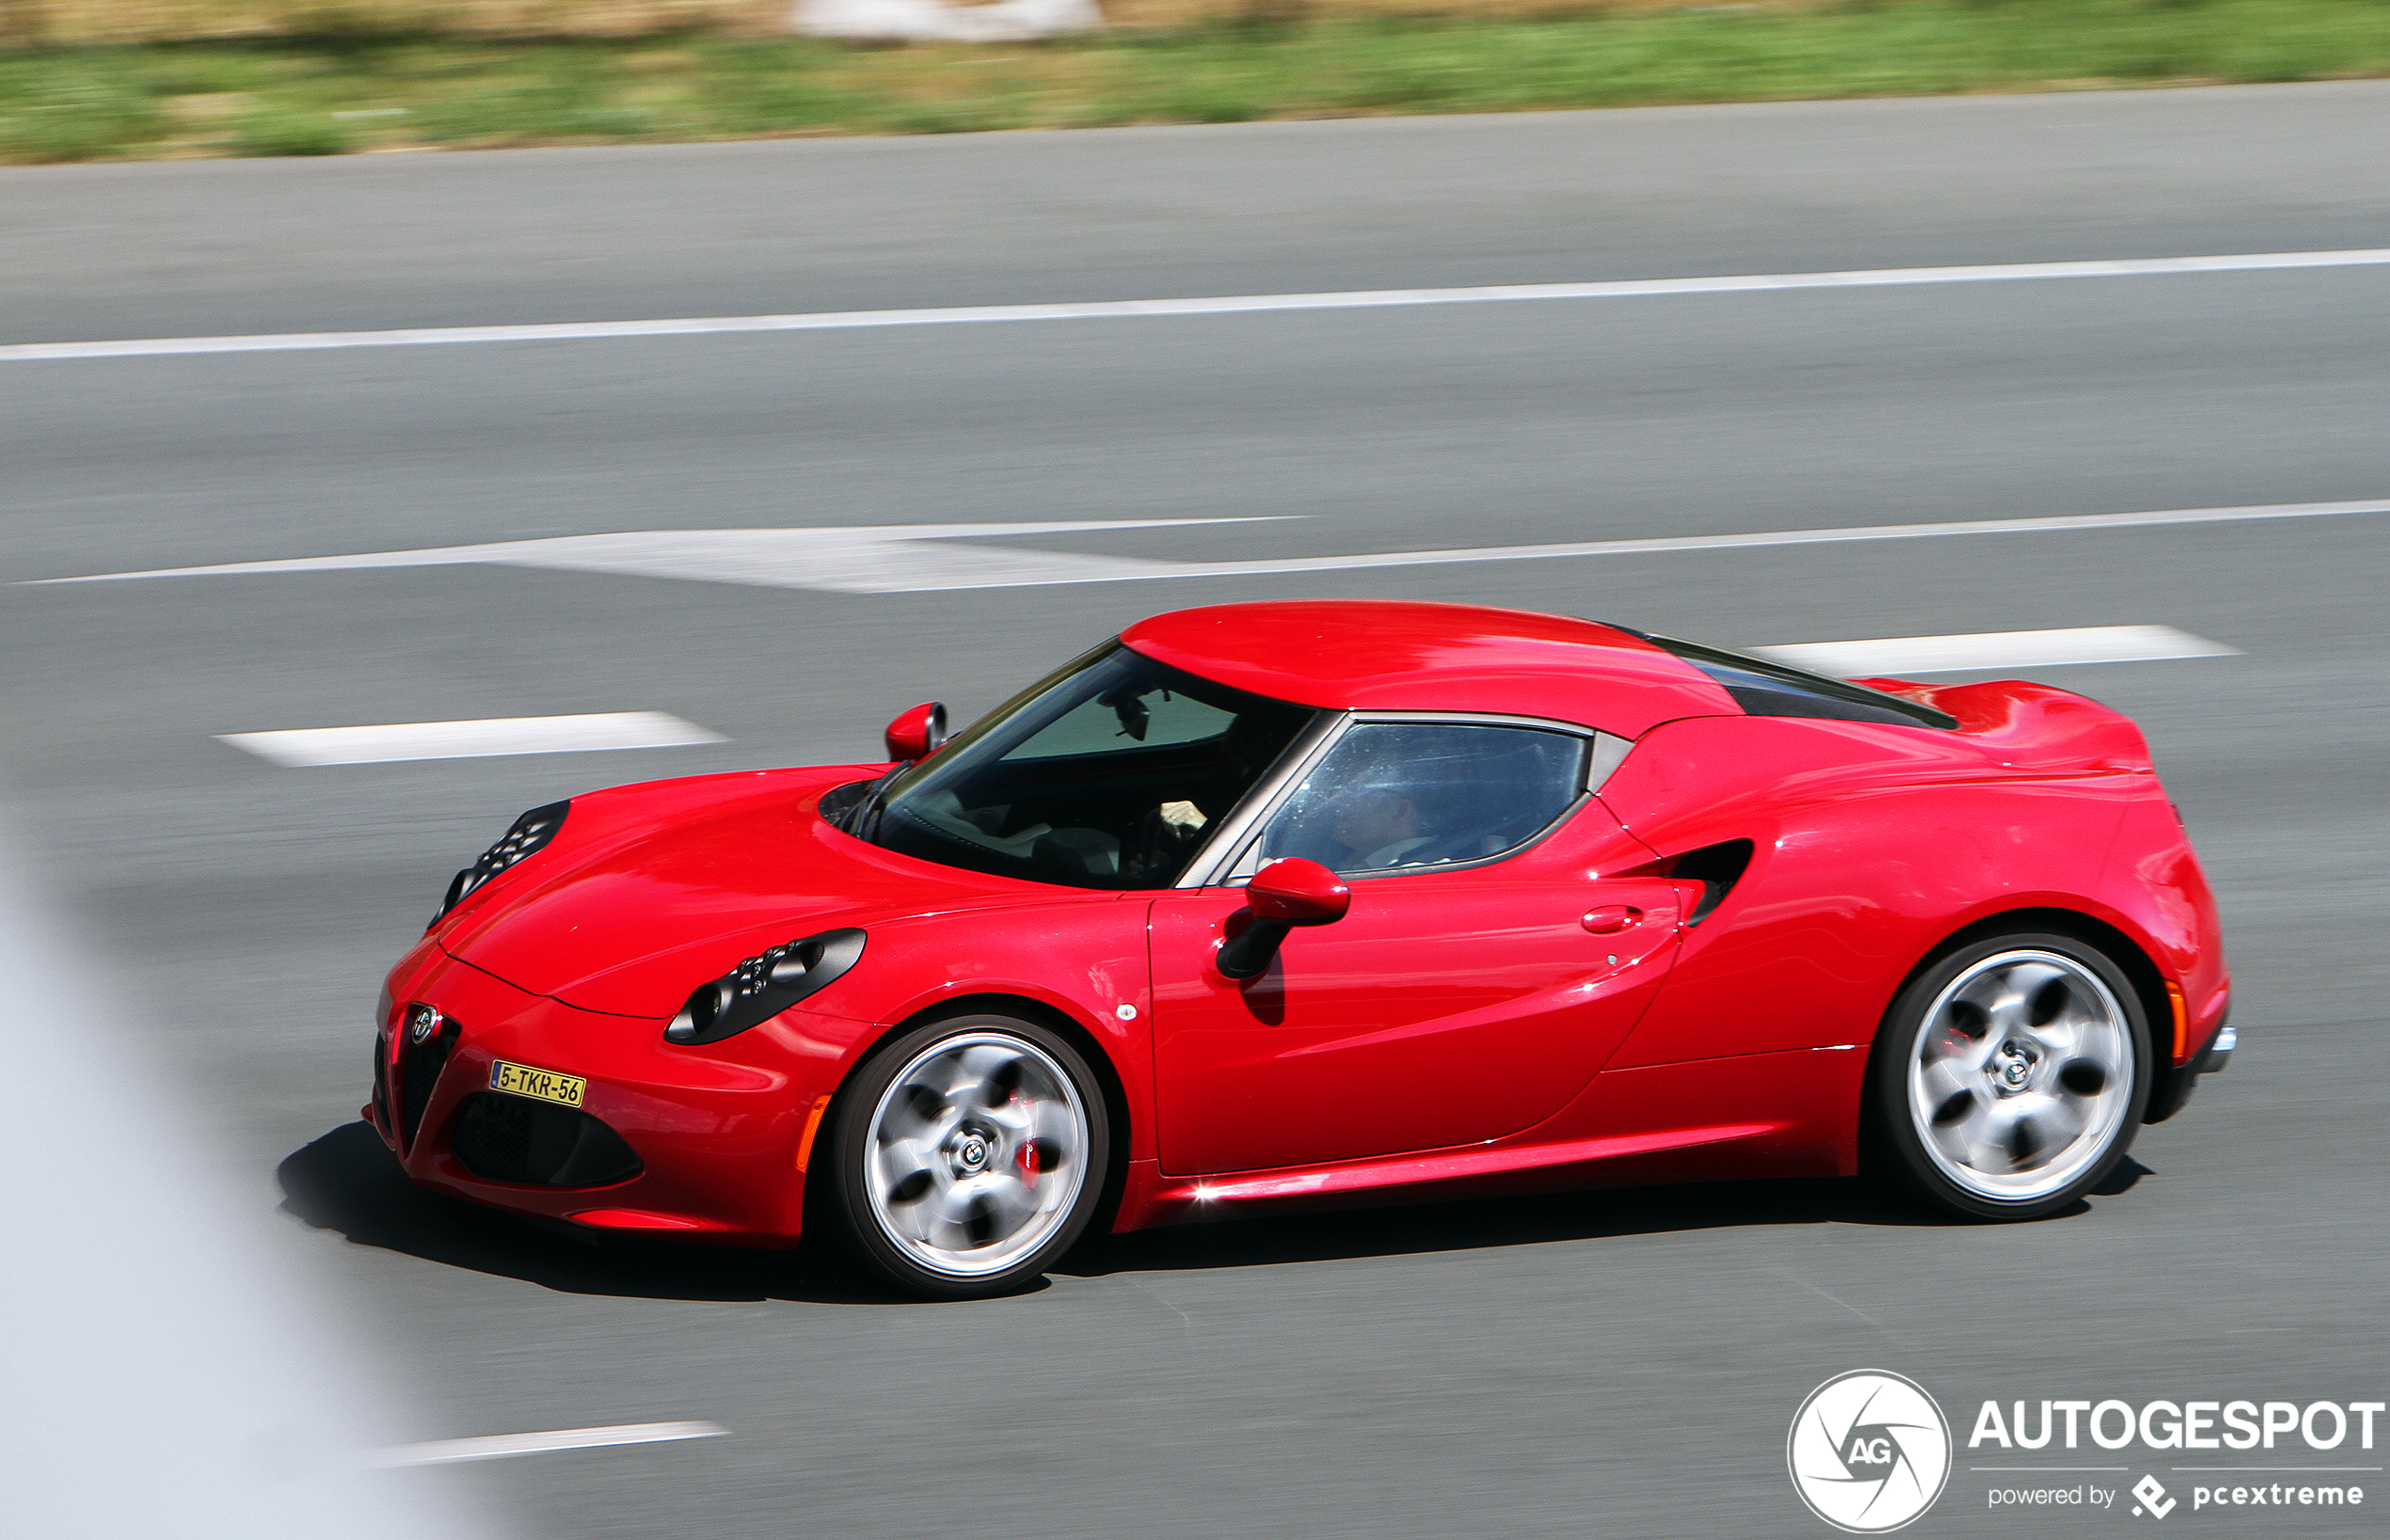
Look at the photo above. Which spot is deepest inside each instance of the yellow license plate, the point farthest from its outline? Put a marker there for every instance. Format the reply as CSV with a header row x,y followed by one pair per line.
x,y
540,1085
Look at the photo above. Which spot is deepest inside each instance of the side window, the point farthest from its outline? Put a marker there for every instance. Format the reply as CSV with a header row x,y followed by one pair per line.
x,y
1396,796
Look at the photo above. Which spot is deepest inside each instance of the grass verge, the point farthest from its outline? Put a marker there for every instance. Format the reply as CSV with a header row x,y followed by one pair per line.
x,y
368,91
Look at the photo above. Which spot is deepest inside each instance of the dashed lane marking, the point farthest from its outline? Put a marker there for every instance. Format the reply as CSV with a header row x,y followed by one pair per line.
x,y
507,1445
1905,655
1223,304
386,743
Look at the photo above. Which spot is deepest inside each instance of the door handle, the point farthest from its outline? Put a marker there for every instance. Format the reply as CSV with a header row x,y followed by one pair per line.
x,y
1611,918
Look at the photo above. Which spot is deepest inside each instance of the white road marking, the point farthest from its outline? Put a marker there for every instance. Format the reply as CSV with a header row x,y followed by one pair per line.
x,y
386,743
918,558
1223,305
1905,655
506,1445
858,559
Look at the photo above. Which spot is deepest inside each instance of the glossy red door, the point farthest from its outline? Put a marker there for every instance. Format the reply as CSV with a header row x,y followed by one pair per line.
x,y
1444,1009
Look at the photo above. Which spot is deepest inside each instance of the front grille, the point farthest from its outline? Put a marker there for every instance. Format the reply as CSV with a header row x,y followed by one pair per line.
x,y
513,1138
407,1067
418,1072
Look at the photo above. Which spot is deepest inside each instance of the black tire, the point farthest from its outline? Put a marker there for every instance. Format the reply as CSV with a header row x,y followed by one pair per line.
x,y
1019,1130
1970,1098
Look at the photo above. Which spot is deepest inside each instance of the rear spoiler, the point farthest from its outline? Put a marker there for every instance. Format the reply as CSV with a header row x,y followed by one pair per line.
x,y
2033,725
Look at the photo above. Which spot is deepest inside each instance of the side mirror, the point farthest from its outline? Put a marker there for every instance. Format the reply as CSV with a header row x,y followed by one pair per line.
x,y
1282,895
916,734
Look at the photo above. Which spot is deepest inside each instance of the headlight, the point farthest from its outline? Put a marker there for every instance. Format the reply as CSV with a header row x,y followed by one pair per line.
x,y
529,835
763,986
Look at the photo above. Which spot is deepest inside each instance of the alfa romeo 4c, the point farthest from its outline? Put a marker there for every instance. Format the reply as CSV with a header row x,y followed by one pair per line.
x,y
1286,903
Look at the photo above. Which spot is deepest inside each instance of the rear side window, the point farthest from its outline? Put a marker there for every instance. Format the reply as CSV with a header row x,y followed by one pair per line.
x,y
1778,690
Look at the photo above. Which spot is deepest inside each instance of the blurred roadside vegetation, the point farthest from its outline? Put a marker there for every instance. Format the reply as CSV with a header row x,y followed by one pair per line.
x,y
403,75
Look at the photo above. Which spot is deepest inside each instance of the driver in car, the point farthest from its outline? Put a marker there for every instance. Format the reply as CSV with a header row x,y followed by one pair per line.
x,y
1377,824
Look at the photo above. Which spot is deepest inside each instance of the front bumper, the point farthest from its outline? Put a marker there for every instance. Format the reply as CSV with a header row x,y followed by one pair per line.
x,y
717,1136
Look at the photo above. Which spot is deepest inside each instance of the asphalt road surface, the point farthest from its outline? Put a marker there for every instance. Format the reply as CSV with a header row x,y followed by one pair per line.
x,y
1621,1364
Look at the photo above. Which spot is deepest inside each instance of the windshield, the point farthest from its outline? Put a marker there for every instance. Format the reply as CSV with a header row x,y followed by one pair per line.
x,y
1108,774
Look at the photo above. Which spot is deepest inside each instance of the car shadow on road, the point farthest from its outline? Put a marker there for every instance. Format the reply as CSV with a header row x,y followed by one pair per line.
x,y
1490,1223
347,1181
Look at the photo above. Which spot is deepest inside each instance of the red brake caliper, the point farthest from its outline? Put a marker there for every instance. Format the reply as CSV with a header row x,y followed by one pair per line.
x,y
1028,1163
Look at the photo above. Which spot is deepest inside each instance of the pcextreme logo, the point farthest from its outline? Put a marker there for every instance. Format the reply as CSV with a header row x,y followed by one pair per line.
x,y
1868,1451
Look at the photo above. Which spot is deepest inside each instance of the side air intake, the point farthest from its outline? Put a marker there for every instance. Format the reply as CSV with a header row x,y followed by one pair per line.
x,y
1717,868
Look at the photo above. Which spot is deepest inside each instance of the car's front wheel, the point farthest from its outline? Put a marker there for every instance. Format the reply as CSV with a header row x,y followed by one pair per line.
x,y
967,1155
2011,1076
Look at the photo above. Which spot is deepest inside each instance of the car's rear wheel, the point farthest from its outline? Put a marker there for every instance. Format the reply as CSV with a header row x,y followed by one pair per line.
x,y
967,1156
2012,1075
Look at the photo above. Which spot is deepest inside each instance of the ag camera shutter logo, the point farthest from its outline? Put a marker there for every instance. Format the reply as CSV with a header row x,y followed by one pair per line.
x,y
1870,1450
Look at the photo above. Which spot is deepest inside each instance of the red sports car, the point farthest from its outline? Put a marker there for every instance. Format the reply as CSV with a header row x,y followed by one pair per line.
x,y
1274,903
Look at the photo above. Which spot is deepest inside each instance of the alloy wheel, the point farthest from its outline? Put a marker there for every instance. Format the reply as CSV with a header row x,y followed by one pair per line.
x,y
976,1153
2022,1074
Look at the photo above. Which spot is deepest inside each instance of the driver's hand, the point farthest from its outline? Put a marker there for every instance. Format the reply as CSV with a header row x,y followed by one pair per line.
x,y
1185,815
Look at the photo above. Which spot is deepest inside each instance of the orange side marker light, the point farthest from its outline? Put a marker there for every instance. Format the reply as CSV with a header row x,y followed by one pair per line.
x,y
822,1105
2182,1021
